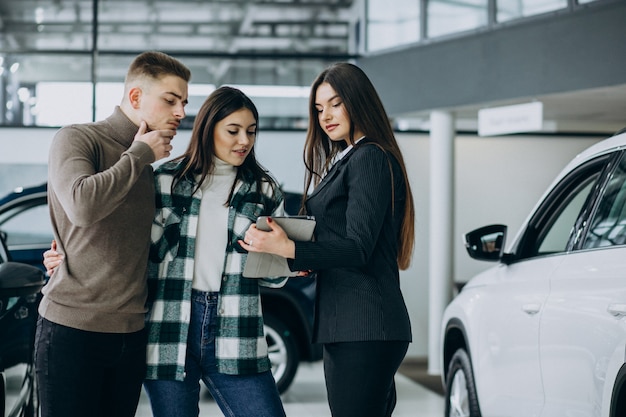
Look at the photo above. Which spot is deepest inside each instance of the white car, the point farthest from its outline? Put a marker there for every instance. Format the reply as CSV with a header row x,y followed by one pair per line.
x,y
543,332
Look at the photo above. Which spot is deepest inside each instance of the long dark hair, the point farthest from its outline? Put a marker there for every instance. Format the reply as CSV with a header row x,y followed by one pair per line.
x,y
367,115
198,159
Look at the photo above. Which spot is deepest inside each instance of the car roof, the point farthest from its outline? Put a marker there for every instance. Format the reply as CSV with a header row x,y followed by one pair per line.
x,y
21,192
611,144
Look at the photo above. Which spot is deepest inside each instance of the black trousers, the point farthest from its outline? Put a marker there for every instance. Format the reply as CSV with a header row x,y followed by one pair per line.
x,y
360,377
88,374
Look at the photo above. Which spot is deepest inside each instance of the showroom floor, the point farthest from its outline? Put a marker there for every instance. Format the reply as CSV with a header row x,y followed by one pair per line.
x,y
307,398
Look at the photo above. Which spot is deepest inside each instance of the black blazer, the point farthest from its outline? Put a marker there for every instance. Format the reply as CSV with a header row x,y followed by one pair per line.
x,y
355,249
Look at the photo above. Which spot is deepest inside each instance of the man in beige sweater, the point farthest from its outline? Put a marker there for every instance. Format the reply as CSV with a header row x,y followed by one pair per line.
x,y
90,343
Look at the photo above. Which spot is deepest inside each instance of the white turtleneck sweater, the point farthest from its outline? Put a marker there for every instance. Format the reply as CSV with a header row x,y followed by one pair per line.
x,y
212,233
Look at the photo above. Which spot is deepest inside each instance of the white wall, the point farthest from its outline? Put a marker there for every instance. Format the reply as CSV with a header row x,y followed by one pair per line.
x,y
498,180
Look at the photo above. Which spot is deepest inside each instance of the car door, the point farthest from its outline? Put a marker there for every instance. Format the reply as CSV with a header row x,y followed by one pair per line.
x,y
583,329
511,329
506,358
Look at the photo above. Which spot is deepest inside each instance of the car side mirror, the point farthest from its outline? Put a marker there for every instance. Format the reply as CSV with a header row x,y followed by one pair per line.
x,y
486,243
17,279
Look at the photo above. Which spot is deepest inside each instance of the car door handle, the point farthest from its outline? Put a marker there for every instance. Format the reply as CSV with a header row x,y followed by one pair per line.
x,y
531,308
618,310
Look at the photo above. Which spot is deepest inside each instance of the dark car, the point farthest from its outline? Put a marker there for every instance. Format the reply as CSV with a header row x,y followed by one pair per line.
x,y
288,311
19,297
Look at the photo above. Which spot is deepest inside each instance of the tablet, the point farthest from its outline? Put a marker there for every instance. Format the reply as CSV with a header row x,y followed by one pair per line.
x,y
262,265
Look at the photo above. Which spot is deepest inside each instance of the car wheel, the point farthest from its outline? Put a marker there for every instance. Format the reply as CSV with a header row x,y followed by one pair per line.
x,y
461,398
283,351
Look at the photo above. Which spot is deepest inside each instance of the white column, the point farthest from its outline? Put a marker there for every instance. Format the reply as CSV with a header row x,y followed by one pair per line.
x,y
441,229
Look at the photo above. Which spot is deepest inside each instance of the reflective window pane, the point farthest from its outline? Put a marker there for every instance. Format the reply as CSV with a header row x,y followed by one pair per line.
x,y
515,9
445,17
392,26
45,90
46,25
226,27
278,87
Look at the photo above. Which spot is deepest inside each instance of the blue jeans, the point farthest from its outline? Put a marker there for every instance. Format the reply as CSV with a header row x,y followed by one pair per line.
x,y
252,395
84,373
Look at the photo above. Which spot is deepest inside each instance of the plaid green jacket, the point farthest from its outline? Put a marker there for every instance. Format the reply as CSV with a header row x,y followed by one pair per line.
x,y
240,343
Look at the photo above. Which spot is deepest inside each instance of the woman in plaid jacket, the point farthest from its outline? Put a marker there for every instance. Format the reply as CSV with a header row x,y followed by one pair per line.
x,y
205,320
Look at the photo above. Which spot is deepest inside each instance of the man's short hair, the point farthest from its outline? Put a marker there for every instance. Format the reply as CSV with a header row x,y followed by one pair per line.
x,y
156,65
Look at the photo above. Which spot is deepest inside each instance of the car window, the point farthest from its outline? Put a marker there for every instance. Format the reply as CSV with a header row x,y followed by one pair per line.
x,y
559,220
558,234
608,226
4,256
30,226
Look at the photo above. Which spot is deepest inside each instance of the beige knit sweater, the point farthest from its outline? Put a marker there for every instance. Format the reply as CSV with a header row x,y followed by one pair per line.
x,y
101,198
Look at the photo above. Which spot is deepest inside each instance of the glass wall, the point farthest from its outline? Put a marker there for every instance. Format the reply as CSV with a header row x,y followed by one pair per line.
x,y
515,9
64,61
45,89
445,17
392,26
56,89
49,25
421,21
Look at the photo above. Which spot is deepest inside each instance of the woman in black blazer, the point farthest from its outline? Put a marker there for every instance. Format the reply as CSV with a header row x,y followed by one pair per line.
x,y
364,235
